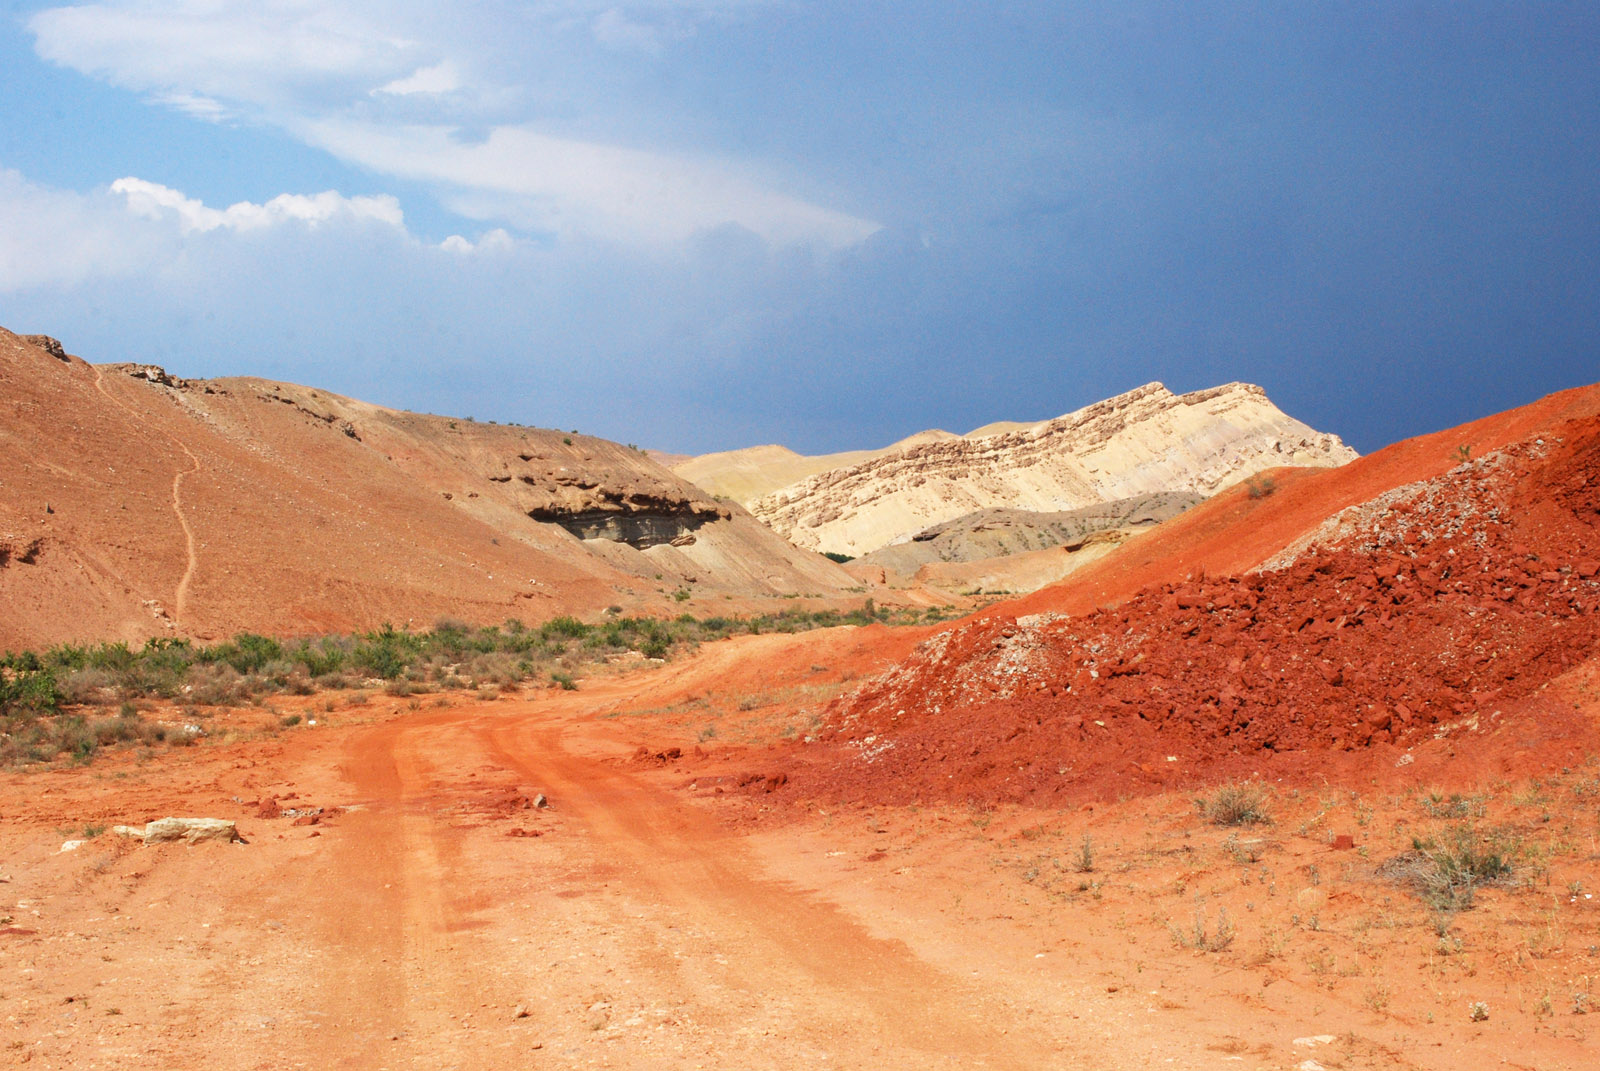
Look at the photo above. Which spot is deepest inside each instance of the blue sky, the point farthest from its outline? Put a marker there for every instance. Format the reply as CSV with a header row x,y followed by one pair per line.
x,y
702,224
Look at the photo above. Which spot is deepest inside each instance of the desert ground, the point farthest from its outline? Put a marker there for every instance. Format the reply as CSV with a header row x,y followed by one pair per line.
x,y
410,904
1307,776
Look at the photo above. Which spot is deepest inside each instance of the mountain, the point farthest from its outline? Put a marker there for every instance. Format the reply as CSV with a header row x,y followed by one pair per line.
x,y
1145,441
136,504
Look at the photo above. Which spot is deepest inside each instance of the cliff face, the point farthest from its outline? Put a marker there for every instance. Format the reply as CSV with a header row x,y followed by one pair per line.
x,y
135,504
1146,441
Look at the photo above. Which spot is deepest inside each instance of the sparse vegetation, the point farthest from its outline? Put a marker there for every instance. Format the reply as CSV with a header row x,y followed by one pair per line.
x,y
833,555
1200,936
1239,804
46,697
1446,872
1260,486
1085,864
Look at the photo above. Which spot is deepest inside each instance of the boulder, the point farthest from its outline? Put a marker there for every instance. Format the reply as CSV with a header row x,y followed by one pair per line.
x,y
189,830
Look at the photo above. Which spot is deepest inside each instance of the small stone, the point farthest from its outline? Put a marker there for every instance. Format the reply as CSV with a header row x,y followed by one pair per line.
x,y
539,802
520,1012
1343,842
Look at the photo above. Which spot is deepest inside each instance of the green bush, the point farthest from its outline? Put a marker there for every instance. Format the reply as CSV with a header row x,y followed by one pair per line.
x,y
28,694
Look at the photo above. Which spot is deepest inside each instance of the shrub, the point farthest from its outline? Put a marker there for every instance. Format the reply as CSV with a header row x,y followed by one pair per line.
x,y
569,627
28,694
249,653
1236,805
387,652
319,661
1446,873
1260,486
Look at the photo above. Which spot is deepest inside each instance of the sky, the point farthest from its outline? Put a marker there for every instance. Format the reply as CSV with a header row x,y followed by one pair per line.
x,y
698,225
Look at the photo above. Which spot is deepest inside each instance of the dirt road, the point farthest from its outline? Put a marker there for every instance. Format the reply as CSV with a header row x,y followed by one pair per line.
x,y
435,917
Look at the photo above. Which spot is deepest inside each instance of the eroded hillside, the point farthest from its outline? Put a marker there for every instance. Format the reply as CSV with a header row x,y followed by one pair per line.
x,y
1435,609
135,504
1145,441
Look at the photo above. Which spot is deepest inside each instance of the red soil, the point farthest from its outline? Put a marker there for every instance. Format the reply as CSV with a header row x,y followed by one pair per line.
x,y
1443,607
1233,532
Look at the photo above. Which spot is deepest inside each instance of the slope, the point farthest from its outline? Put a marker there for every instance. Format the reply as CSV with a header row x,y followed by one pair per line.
x,y
135,504
1437,607
748,474
1147,440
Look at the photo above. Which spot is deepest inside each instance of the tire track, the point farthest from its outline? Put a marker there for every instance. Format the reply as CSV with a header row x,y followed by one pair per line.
x,y
854,986
192,561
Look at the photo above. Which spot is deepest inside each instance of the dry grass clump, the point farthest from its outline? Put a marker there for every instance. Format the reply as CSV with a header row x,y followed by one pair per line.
x,y
1236,804
1447,871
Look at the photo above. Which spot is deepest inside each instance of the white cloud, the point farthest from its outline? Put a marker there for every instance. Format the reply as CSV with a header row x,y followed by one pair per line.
x,y
616,30
565,186
193,105
495,241
152,200
257,52
440,78
61,238
335,74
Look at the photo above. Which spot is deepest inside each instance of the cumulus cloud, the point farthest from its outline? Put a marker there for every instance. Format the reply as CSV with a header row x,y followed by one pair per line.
x,y
152,200
52,237
495,241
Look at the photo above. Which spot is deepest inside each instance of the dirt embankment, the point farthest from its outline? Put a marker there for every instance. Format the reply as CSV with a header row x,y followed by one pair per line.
x,y
1236,530
1443,606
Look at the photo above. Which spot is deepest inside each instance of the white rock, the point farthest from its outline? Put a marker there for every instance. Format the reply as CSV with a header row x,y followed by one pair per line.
x,y
1144,441
190,830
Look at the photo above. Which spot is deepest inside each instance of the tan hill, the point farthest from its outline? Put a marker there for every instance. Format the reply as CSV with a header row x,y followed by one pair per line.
x,y
1145,441
748,474
997,532
135,504
1006,550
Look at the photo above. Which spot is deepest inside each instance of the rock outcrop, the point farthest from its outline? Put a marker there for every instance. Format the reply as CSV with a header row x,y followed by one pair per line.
x,y
1145,441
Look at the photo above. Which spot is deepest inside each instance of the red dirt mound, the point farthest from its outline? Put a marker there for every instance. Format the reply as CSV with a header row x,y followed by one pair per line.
x,y
1235,532
1440,608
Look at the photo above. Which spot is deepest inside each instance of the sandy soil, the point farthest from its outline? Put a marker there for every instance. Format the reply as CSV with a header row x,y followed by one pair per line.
x,y
657,915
